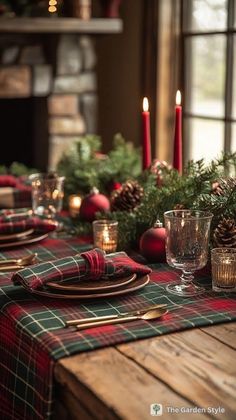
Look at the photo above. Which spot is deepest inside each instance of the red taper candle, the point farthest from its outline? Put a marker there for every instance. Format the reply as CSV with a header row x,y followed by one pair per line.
x,y
178,152
146,135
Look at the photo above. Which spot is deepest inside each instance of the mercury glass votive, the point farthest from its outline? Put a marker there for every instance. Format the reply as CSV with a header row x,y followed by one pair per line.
x,y
223,262
105,233
74,205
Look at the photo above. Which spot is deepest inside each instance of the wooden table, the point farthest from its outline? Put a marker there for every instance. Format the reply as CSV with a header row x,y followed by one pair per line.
x,y
186,369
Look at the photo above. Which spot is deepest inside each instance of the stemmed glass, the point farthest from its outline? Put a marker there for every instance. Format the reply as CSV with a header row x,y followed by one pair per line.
x,y
47,194
47,198
187,239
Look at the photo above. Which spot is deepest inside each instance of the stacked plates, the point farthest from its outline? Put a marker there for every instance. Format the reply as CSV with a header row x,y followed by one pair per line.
x,y
23,238
93,289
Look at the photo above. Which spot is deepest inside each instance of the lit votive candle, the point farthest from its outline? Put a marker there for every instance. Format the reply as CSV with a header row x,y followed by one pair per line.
x,y
105,235
223,262
74,205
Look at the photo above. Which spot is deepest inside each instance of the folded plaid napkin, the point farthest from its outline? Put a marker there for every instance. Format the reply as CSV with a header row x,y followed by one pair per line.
x,y
9,215
17,226
8,181
14,192
89,265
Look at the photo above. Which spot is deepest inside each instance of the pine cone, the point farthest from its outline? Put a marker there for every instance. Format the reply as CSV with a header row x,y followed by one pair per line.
x,y
225,234
127,197
219,187
179,207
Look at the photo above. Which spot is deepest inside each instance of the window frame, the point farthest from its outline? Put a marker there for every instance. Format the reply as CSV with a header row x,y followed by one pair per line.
x,y
230,33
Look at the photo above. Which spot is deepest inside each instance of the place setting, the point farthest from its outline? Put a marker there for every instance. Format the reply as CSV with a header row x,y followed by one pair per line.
x,y
28,230
25,226
89,275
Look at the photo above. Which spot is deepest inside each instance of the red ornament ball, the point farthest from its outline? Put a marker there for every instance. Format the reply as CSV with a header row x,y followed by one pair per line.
x,y
92,204
113,186
152,243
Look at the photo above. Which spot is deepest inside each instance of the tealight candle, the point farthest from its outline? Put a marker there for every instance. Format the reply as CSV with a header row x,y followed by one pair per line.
x,y
223,262
74,205
105,235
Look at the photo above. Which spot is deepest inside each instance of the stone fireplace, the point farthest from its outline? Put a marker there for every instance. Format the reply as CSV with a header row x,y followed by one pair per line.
x,y
47,95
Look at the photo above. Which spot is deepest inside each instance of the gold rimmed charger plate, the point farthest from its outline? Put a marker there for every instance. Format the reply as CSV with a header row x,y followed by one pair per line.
x,y
92,286
14,236
30,239
136,285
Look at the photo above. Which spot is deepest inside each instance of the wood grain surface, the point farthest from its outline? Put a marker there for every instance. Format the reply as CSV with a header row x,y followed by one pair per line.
x,y
193,368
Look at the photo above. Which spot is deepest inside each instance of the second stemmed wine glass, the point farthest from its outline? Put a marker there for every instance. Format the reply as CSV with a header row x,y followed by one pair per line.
x,y
187,239
47,194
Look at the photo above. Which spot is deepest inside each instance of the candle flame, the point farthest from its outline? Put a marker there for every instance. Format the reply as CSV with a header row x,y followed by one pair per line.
x,y
145,104
178,98
106,238
76,201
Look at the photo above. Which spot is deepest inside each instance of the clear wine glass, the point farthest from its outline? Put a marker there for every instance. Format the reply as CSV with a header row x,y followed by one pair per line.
x,y
47,194
187,239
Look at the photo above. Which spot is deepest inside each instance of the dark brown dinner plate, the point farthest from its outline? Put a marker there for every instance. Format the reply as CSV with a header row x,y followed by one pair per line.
x,y
137,284
15,236
30,239
92,285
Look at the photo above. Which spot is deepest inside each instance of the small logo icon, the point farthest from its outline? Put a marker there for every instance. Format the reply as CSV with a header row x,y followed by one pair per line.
x,y
156,409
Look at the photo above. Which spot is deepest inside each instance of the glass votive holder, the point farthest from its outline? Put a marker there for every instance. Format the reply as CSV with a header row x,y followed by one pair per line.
x,y
74,203
223,263
105,233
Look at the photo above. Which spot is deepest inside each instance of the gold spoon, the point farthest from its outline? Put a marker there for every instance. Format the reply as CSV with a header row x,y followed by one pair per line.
x,y
141,311
153,314
21,262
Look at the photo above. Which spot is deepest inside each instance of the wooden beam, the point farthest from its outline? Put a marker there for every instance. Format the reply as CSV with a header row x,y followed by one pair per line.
x,y
60,25
168,75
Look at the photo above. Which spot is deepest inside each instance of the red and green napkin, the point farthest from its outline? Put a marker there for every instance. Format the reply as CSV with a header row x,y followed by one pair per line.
x,y
14,192
89,265
17,226
16,215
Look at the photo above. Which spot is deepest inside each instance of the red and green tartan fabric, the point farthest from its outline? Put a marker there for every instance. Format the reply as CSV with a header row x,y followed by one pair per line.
x,y
16,215
90,265
17,226
14,192
33,337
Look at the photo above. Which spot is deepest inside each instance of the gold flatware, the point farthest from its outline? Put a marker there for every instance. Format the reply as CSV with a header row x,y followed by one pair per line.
x,y
153,314
114,316
108,317
10,267
20,262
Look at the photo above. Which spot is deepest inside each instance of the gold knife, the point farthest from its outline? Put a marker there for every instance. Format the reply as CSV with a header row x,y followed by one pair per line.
x,y
78,322
10,267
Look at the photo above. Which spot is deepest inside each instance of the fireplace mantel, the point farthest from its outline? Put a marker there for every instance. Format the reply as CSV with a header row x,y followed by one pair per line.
x,y
61,25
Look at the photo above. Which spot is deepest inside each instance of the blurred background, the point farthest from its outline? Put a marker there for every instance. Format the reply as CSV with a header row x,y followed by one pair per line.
x,y
69,68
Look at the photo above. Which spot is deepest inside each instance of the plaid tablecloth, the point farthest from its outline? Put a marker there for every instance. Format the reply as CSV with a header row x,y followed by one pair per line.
x,y
11,197
32,336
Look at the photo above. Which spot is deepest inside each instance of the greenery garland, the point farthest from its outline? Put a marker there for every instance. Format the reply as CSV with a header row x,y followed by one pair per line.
x,y
85,167
192,190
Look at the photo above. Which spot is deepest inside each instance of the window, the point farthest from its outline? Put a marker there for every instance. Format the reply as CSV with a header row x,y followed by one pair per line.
x,y
209,45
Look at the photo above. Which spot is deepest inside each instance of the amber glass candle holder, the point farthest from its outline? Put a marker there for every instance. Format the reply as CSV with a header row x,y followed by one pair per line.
x,y
105,233
223,262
